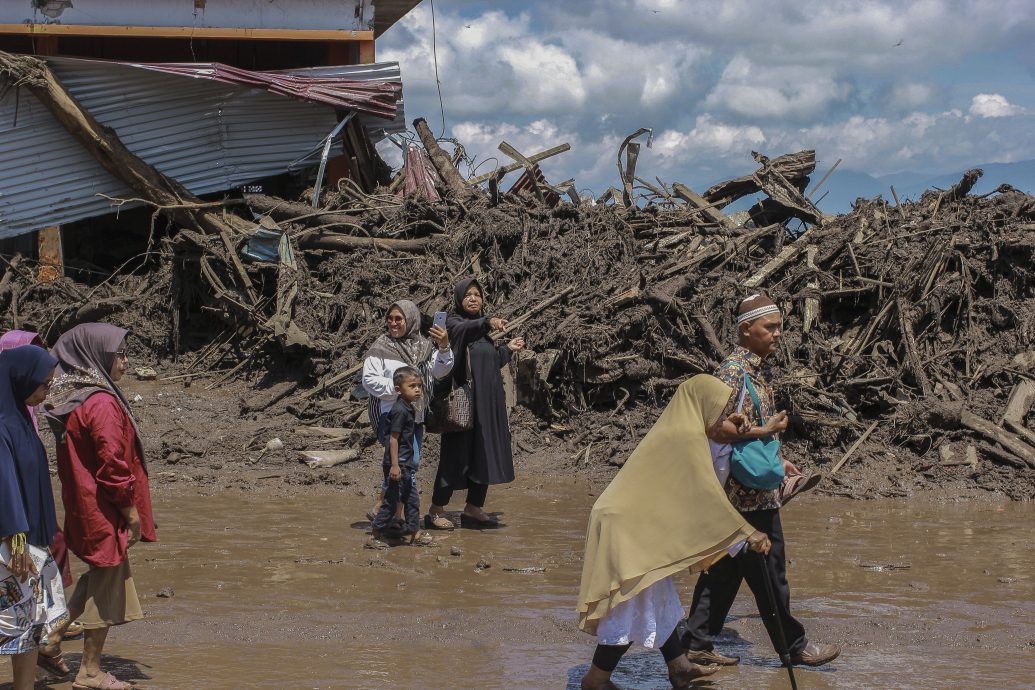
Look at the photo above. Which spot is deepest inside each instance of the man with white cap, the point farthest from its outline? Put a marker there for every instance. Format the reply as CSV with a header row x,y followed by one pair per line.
x,y
759,327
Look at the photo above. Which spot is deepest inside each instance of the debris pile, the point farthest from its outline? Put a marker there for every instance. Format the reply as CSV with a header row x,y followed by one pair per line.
x,y
909,327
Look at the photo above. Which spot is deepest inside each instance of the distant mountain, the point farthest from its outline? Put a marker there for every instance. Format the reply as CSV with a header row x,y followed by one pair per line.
x,y
845,186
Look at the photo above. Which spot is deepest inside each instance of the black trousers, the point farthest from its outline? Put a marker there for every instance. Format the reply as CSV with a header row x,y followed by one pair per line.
x,y
403,490
476,493
717,588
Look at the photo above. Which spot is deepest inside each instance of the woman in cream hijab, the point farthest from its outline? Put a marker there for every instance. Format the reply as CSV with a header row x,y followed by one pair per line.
x,y
663,513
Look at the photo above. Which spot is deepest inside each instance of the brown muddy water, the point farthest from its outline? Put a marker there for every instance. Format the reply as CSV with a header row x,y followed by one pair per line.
x,y
277,592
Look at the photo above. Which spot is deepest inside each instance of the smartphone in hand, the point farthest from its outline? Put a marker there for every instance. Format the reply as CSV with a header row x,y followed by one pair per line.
x,y
440,319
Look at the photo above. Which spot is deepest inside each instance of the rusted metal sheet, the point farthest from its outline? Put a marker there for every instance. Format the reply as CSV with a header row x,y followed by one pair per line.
x,y
419,175
369,97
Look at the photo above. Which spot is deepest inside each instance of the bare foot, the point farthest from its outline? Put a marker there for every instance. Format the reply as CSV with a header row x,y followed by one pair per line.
x,y
683,677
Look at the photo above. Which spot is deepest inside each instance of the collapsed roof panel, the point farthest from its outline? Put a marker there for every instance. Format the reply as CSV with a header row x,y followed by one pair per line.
x,y
208,135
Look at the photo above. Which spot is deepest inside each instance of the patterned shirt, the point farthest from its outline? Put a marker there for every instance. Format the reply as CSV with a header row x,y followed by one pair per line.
x,y
731,372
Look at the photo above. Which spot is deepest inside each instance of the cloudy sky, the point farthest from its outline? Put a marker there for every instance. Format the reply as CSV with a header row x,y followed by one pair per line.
x,y
929,86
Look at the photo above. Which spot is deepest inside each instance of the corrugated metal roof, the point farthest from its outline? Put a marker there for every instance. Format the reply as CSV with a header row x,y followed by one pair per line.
x,y
377,127
207,135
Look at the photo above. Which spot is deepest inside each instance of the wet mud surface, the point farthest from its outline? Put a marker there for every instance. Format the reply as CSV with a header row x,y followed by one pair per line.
x,y
271,586
278,592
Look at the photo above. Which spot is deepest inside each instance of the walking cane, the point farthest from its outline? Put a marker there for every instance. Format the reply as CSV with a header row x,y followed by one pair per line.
x,y
785,653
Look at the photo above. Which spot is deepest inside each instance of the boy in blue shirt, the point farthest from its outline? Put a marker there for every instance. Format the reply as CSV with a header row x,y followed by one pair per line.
x,y
400,461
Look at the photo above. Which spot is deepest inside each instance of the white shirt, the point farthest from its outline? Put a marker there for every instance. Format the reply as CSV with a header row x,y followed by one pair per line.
x,y
378,373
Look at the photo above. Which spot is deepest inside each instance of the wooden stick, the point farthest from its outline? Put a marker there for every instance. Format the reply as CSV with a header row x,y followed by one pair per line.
x,y
330,381
855,446
514,323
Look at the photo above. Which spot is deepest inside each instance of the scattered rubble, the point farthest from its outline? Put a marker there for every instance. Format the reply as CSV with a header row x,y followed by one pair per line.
x,y
909,326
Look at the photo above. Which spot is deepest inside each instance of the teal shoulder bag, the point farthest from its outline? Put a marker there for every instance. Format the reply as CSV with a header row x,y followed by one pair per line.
x,y
756,463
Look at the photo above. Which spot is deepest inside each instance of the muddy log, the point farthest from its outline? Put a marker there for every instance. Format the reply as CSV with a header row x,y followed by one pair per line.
x,y
283,210
319,239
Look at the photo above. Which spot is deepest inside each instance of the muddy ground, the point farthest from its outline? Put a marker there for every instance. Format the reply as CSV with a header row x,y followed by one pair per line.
x,y
260,578
201,437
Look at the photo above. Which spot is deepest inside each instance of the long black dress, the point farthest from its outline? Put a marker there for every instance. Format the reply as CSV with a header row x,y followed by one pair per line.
x,y
484,453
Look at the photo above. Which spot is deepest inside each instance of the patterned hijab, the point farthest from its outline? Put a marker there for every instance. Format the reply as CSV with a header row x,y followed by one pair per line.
x,y
17,338
412,348
86,354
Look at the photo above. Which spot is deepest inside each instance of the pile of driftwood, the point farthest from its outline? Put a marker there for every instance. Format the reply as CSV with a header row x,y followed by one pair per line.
x,y
906,324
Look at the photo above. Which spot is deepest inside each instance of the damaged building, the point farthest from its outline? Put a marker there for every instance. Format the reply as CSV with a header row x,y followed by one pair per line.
x,y
215,94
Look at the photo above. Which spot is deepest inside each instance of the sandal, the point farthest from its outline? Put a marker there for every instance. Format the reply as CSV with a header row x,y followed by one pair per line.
x,y
797,484
471,522
376,544
440,522
423,539
53,664
108,682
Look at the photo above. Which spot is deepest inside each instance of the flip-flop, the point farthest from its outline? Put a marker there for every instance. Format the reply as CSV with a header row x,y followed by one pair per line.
x,y
54,665
375,544
797,484
423,539
108,682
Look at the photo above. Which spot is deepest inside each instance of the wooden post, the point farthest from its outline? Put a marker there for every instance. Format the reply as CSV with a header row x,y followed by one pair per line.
x,y
51,258
366,52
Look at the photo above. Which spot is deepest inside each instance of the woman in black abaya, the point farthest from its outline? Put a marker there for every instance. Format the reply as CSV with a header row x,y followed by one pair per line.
x,y
482,456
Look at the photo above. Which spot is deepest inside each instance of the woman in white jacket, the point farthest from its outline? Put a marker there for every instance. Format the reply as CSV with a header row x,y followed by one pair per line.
x,y
403,345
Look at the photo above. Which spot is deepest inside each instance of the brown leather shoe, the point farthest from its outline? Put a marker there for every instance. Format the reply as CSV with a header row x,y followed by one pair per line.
x,y
710,657
816,654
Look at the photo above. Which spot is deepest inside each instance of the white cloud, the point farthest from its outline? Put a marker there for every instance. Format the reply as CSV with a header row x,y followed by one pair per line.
x,y
910,96
762,91
823,74
993,105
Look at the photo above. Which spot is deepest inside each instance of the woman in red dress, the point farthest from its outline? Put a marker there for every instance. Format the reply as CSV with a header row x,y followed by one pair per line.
x,y
104,486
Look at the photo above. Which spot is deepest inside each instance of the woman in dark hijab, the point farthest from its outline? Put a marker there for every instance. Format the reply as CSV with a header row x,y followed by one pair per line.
x,y
482,456
104,485
31,597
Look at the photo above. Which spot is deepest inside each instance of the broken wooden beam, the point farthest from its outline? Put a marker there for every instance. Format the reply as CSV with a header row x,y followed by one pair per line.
x,y
697,201
511,167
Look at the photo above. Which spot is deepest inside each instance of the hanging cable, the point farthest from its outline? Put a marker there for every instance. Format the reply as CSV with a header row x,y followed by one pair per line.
x,y
438,82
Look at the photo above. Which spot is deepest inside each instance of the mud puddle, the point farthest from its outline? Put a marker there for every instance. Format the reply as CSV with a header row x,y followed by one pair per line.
x,y
275,592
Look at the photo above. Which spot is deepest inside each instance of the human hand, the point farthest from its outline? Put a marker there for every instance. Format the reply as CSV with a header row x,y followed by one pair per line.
x,y
516,344
132,518
395,474
440,336
739,420
759,542
497,324
777,423
22,565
